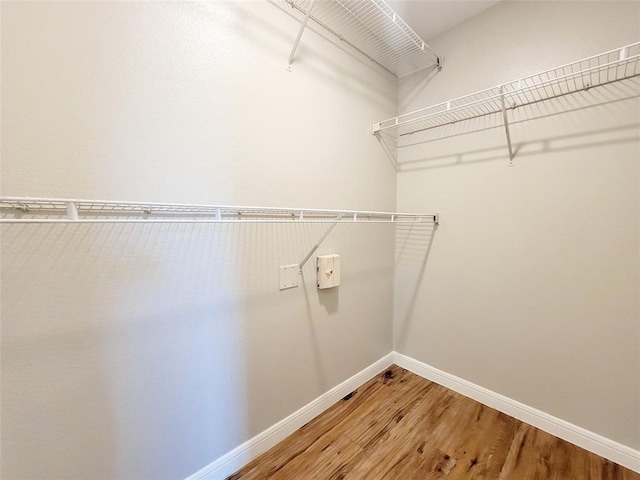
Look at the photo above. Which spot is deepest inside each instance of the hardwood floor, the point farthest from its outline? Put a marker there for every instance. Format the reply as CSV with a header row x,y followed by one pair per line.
x,y
399,426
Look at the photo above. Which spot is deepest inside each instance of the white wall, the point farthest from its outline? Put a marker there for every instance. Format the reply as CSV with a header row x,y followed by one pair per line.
x,y
146,352
149,351
531,287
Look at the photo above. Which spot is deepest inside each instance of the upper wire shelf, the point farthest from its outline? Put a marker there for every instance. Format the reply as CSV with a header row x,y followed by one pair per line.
x,y
372,28
602,69
58,210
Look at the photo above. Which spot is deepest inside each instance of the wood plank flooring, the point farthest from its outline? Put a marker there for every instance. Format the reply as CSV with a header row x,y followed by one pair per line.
x,y
399,426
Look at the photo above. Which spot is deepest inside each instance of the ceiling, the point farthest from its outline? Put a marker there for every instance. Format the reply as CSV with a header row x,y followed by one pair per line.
x,y
429,18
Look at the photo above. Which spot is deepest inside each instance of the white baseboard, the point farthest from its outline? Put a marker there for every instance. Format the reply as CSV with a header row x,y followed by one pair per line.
x,y
240,456
614,451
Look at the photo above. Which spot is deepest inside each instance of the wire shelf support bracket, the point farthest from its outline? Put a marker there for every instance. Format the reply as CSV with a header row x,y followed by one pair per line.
x,y
319,242
300,32
609,67
372,28
506,126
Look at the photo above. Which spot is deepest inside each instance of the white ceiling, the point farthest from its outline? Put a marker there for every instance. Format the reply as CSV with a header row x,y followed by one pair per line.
x,y
429,18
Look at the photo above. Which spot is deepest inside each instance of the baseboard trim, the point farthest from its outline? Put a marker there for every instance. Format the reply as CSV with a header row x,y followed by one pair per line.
x,y
609,449
240,456
243,454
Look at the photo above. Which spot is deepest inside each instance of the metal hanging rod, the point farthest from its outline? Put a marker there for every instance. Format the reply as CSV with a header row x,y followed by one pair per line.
x,y
60,210
605,68
372,28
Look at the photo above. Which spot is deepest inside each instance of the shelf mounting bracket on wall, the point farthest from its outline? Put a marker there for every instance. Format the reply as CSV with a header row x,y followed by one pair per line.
x,y
300,32
506,126
322,239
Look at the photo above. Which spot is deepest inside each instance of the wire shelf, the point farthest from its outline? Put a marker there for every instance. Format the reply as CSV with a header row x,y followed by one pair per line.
x,y
58,210
373,29
602,69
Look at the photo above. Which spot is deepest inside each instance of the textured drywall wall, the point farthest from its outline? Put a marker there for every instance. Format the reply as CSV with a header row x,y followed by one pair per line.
x,y
148,351
531,285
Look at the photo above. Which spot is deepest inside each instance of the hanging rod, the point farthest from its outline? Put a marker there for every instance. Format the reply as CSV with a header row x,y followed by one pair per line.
x,y
605,68
60,210
372,28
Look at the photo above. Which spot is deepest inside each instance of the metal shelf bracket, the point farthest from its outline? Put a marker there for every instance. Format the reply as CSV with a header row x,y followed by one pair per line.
x,y
72,211
300,32
506,126
319,242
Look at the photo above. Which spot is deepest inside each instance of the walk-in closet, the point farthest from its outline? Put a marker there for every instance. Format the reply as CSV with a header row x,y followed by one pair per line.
x,y
320,239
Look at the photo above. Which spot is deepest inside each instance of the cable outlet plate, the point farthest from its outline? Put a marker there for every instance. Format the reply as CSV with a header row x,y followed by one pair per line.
x,y
288,276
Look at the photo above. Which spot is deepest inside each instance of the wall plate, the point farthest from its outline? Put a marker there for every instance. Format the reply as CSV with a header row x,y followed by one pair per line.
x,y
288,276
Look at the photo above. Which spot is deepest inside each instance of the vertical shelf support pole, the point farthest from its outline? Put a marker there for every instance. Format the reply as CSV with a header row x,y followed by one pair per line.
x,y
624,53
72,211
319,242
297,42
506,126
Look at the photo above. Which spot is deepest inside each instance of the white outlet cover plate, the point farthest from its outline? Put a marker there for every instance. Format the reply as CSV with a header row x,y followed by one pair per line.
x,y
288,276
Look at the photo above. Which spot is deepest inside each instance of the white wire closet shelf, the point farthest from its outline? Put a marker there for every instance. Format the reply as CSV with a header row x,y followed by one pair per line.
x,y
59,210
372,28
599,70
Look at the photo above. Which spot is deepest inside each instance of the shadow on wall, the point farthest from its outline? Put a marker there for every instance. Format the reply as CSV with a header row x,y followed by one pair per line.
x,y
562,143
115,346
358,83
413,85
147,351
53,381
389,142
330,299
413,246
533,129
315,340
364,282
389,145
